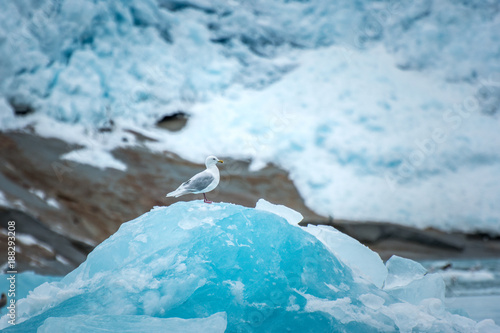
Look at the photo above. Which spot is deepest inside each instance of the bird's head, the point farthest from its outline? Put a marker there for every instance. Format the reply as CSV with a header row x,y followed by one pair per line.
x,y
212,160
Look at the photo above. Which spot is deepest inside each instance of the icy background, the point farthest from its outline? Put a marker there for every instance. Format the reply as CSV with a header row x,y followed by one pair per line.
x,y
224,267
379,110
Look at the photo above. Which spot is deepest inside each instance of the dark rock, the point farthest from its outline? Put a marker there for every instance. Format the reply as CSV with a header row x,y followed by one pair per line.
x,y
21,108
61,256
173,122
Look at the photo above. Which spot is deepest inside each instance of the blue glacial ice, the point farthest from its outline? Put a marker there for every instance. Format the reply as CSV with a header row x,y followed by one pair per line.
x,y
25,282
229,268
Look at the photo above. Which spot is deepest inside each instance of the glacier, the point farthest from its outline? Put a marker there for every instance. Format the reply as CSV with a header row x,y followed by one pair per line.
x,y
394,102
228,268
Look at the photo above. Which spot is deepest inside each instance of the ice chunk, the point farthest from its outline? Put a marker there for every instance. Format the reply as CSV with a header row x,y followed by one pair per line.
x,y
409,281
430,286
402,271
293,217
246,270
216,323
372,301
363,261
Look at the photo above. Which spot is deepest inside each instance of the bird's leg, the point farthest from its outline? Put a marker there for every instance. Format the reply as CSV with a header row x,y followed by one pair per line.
x,y
206,200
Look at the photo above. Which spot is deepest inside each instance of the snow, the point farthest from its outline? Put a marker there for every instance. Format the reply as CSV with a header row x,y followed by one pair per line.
x,y
53,202
3,200
29,240
271,276
97,158
50,201
378,110
364,160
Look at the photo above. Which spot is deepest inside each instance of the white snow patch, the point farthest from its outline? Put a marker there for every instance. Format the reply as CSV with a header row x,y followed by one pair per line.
x,y
3,200
95,157
29,240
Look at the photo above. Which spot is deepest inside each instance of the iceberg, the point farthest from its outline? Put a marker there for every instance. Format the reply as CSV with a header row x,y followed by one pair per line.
x,y
228,268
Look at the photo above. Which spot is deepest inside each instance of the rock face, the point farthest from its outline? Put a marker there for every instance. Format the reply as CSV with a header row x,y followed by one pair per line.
x,y
53,199
42,249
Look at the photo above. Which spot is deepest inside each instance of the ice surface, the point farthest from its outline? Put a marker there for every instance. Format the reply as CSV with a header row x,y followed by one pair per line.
x,y
379,110
363,261
402,271
146,324
245,268
25,282
293,217
410,281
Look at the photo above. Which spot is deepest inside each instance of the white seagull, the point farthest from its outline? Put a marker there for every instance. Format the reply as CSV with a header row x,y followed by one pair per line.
x,y
202,182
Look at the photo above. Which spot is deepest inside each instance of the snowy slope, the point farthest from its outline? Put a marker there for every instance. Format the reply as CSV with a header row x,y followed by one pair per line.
x,y
379,110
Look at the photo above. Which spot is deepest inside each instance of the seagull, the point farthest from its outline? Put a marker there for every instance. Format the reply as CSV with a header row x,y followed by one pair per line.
x,y
202,182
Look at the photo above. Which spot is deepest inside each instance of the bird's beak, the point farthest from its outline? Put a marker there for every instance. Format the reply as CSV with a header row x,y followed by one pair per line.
x,y
220,161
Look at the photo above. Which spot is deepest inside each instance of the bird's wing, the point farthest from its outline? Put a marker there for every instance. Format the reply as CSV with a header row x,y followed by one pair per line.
x,y
198,182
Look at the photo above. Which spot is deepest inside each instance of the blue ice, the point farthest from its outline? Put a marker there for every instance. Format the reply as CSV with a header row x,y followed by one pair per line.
x,y
230,269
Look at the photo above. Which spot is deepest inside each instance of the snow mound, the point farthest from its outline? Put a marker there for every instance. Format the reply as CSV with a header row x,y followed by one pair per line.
x,y
227,268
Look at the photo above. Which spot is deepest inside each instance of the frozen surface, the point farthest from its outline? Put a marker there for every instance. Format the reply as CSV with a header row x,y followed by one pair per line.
x,y
409,281
403,271
224,266
363,261
140,324
380,110
25,282
293,217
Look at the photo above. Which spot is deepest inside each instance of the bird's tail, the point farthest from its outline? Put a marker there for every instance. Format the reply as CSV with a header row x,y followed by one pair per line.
x,y
175,193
